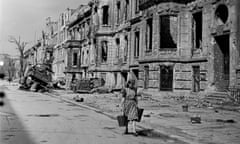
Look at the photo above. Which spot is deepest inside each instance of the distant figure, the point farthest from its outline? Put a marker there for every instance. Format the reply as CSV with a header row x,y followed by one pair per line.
x,y
129,105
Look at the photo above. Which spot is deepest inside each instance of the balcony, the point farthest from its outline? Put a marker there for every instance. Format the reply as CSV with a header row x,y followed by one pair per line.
x,y
143,4
71,42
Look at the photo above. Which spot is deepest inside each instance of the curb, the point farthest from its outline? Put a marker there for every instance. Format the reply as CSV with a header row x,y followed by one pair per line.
x,y
140,125
82,105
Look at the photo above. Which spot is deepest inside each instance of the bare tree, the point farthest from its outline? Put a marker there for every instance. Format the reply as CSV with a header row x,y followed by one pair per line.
x,y
20,47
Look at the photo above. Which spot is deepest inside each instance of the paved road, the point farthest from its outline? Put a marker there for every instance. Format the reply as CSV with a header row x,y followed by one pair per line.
x,y
34,118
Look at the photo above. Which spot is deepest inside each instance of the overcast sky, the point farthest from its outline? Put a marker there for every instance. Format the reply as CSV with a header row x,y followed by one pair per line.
x,y
26,18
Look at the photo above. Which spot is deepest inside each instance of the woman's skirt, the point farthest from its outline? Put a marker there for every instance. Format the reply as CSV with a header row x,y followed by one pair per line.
x,y
130,109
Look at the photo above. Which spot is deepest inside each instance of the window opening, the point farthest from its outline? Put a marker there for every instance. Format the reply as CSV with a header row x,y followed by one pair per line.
x,y
136,46
168,31
149,34
105,15
197,29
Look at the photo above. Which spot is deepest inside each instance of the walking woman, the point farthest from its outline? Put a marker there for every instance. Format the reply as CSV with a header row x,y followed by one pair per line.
x,y
129,105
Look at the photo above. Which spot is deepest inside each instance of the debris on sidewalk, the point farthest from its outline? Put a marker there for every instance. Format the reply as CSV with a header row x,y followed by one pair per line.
x,y
196,119
78,99
226,121
147,115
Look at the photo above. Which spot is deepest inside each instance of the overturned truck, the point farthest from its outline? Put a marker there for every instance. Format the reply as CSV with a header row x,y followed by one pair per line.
x,y
37,78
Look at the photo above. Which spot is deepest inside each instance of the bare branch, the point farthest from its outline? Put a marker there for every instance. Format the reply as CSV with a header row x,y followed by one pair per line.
x,y
20,46
13,40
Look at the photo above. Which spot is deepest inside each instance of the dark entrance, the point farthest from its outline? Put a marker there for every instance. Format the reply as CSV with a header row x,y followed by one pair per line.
x,y
221,62
135,72
166,78
146,78
124,77
196,78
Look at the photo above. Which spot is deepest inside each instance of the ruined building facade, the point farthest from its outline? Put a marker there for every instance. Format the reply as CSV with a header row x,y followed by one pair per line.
x,y
111,41
78,44
166,45
188,45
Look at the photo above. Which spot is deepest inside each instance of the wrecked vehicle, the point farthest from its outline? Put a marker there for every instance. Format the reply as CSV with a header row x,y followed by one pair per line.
x,y
87,85
37,78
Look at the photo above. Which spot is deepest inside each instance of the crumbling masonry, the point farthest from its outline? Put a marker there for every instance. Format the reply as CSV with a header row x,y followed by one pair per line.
x,y
188,45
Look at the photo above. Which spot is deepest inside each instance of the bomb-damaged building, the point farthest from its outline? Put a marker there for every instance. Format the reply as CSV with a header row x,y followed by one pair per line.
x,y
186,45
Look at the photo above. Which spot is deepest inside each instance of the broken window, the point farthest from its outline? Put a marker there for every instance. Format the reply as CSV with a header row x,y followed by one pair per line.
x,y
75,56
136,6
136,73
104,47
126,9
197,29
221,14
136,44
149,34
118,11
168,31
118,47
126,48
105,15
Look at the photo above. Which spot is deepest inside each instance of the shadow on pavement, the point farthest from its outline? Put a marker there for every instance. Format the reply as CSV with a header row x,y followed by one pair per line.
x,y
12,129
150,133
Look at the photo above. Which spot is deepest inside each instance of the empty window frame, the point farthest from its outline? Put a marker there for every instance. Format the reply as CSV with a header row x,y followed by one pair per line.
x,y
105,16
126,48
126,9
197,29
136,43
75,58
168,31
149,34
115,78
136,6
117,47
118,11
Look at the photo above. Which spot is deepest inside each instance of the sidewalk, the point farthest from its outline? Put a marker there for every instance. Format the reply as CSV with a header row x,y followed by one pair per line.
x,y
163,113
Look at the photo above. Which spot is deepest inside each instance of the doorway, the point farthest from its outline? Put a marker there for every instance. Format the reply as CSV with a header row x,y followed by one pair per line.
x,y
124,77
196,78
166,78
222,62
146,77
